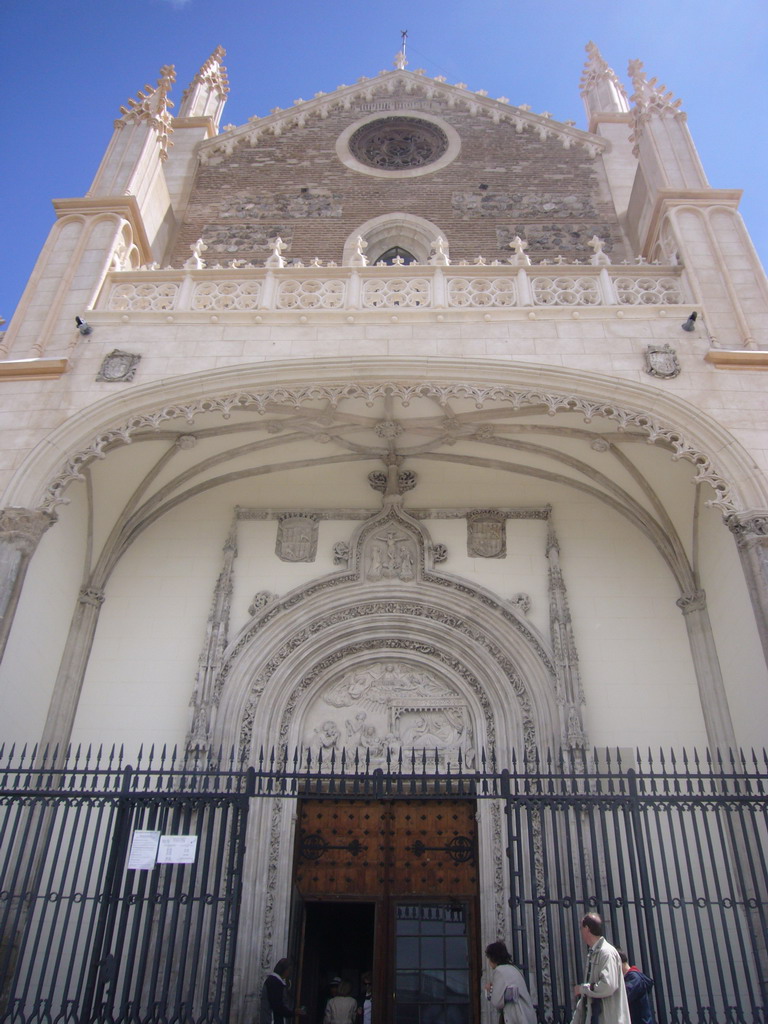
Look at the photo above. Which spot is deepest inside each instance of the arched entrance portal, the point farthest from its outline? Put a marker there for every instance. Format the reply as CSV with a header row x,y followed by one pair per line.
x,y
388,661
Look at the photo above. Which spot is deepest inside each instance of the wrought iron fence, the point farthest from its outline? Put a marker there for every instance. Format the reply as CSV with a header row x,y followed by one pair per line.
x,y
672,851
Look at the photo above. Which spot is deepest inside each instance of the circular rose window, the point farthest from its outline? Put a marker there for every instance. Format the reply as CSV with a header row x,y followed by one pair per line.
x,y
398,143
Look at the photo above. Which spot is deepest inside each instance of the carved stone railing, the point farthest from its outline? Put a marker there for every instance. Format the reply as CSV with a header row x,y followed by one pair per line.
x,y
478,287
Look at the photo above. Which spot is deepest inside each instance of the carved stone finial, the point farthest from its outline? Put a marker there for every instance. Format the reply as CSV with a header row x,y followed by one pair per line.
x,y
195,261
400,63
519,259
600,87
359,259
276,260
212,75
650,99
598,257
153,106
439,257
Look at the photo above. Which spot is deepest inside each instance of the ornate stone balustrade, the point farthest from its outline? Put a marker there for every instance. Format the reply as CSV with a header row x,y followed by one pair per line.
x,y
389,288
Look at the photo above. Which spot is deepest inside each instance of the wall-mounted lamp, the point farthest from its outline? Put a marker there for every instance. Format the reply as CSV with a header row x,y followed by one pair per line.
x,y
690,323
83,326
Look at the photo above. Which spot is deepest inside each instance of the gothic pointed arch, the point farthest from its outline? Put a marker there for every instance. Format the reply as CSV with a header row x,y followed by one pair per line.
x,y
404,230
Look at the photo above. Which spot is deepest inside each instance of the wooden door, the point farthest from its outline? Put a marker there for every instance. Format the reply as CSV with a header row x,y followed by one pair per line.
x,y
416,860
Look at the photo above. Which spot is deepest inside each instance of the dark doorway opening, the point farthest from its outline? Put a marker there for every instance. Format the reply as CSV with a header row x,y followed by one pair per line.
x,y
338,942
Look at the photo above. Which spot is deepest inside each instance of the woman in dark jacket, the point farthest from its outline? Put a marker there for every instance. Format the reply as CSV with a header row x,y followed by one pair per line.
x,y
275,1004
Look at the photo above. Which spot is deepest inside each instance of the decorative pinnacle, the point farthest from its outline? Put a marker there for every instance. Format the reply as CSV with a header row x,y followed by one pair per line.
x,y
596,73
154,99
153,106
650,96
212,73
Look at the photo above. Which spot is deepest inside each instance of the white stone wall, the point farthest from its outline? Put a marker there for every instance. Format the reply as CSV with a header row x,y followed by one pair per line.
x,y
635,661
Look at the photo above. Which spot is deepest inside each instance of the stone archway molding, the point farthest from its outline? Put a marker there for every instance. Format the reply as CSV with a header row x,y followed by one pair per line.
x,y
390,229
738,484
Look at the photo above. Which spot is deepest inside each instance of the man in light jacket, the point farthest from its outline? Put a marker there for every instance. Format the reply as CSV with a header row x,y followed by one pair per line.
x,y
603,989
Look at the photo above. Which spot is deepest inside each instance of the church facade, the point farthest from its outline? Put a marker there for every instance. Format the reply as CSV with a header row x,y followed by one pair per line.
x,y
403,420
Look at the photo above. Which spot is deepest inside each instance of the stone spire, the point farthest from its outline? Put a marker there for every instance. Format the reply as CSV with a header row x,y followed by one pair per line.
x,y
650,99
207,92
660,135
152,106
601,90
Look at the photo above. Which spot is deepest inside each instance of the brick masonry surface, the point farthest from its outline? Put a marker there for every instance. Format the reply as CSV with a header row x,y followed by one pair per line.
x,y
503,183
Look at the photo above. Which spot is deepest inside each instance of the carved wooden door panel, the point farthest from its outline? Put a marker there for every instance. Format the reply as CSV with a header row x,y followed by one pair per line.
x,y
376,849
432,847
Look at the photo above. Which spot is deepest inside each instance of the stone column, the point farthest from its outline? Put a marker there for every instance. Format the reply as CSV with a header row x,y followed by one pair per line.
x,y
20,533
69,681
714,703
751,535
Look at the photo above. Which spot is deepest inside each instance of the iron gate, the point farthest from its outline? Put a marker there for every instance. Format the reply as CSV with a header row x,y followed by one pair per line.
x,y
672,852
87,937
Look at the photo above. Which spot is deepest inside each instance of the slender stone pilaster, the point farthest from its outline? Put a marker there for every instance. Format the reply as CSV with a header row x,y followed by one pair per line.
x,y
570,695
205,697
20,533
751,535
706,663
74,661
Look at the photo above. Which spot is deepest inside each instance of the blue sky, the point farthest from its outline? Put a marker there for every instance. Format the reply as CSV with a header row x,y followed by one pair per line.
x,y
70,64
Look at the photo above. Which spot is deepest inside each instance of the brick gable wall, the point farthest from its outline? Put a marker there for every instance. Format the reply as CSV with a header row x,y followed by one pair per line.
x,y
502,184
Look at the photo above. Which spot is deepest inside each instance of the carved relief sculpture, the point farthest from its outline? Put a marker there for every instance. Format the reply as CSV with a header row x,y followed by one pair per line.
x,y
661,361
392,555
390,706
118,366
297,538
486,534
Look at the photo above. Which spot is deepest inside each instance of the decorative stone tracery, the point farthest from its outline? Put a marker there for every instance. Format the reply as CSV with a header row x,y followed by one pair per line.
x,y
294,396
398,143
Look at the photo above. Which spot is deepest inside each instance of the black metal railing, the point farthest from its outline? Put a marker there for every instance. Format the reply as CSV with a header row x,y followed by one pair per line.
x,y
671,849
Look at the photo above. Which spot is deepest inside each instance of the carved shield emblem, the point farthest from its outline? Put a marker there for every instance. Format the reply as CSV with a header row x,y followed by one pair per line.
x,y
661,361
118,366
297,539
486,536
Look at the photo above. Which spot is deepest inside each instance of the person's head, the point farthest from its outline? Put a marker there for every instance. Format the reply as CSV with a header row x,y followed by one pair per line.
x,y
624,961
497,953
334,986
367,980
591,928
283,967
345,988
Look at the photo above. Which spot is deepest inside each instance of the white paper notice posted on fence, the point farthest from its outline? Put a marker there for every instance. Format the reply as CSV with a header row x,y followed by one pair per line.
x,y
177,850
143,853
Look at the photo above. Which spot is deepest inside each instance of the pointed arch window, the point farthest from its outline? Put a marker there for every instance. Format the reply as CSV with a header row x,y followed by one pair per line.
x,y
396,254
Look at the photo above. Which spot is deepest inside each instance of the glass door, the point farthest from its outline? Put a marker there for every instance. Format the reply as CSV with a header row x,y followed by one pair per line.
x,y
432,965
